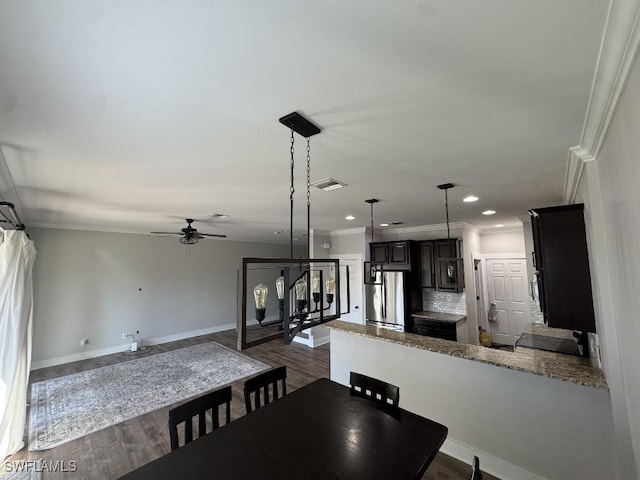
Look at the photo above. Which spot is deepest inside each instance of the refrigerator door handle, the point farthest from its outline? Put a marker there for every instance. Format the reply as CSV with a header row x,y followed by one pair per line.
x,y
383,291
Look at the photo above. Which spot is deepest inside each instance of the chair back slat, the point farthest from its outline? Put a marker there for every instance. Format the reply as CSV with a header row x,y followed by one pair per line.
x,y
374,389
198,407
264,388
476,474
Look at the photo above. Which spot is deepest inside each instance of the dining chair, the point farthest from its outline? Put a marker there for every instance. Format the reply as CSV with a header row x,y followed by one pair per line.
x,y
199,407
374,389
261,383
476,474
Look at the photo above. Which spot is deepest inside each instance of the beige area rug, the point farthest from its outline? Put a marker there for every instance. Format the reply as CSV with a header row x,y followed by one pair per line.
x,y
70,407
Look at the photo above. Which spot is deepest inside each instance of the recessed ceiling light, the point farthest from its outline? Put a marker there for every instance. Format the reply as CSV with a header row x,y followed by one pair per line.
x,y
278,232
499,225
470,198
384,224
397,223
349,217
218,215
489,212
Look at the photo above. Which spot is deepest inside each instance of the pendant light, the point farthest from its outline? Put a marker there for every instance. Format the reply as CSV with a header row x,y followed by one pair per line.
x,y
371,268
449,264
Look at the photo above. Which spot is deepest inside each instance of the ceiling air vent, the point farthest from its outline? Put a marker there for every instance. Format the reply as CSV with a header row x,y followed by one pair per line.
x,y
327,184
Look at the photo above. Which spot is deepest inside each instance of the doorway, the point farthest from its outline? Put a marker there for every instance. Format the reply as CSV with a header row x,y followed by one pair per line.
x,y
355,282
507,289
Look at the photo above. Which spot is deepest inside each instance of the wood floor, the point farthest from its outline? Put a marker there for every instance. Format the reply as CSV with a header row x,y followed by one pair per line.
x,y
114,451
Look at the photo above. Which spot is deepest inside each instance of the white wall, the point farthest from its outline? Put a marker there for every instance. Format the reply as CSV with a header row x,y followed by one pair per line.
x,y
523,426
612,197
98,285
345,242
502,242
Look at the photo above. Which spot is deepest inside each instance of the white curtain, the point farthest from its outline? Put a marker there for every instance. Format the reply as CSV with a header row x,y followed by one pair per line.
x,y
17,255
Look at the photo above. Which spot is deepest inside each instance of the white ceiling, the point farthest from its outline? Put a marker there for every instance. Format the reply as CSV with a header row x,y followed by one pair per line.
x,y
130,116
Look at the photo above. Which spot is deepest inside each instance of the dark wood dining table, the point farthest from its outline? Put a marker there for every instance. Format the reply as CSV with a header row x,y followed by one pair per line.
x,y
320,431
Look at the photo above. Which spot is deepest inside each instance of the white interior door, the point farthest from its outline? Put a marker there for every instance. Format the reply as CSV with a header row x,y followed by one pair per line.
x,y
356,286
508,290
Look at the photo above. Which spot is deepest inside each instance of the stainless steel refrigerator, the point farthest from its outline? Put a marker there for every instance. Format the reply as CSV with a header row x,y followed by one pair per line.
x,y
388,303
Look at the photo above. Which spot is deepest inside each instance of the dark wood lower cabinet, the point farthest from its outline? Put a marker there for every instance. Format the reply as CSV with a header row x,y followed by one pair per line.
x,y
433,328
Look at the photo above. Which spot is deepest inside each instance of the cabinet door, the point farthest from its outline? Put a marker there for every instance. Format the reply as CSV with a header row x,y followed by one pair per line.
x,y
399,253
379,253
563,268
427,265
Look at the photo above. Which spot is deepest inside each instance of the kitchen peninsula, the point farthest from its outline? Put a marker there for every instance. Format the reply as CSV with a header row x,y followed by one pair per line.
x,y
528,414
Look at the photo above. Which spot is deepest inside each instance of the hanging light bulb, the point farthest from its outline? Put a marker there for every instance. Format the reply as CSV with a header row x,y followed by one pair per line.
x,y
315,287
301,294
330,286
280,294
260,292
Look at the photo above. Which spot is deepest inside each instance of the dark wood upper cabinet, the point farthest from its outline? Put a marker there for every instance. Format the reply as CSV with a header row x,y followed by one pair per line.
x,y
427,265
380,252
399,253
393,255
562,264
440,265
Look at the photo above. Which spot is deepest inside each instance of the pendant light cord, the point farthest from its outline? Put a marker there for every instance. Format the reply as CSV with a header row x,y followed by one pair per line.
x,y
446,206
291,192
308,198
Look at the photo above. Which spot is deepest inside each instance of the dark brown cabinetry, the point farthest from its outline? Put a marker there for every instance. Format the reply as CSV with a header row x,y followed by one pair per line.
x,y
392,255
562,267
433,328
427,265
440,265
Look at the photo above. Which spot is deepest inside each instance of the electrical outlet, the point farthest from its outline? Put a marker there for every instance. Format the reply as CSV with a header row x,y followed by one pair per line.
x,y
84,341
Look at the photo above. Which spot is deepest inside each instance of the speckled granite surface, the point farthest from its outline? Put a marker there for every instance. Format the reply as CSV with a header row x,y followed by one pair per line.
x,y
440,317
567,368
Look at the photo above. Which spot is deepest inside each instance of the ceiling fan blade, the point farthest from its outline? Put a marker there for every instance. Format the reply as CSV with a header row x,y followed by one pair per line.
x,y
212,235
167,233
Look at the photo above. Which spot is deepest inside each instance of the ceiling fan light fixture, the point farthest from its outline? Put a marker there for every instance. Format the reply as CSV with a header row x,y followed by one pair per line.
x,y
188,240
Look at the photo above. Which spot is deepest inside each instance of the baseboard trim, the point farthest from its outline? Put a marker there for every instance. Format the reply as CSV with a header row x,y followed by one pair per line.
x,y
50,362
488,463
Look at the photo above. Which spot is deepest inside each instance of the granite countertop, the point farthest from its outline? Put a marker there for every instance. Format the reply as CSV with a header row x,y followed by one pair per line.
x,y
567,368
439,316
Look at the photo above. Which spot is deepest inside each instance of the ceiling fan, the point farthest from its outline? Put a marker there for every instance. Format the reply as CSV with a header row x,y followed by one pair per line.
x,y
189,235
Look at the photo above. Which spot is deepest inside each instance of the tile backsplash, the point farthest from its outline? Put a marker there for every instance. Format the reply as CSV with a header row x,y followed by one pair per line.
x,y
444,302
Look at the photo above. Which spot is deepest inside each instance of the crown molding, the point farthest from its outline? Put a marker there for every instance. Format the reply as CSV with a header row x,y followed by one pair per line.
x,y
421,228
618,50
575,166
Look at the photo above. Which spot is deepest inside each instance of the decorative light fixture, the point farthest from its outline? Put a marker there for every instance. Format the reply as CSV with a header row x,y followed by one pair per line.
x,y
372,268
260,293
295,274
451,265
330,289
